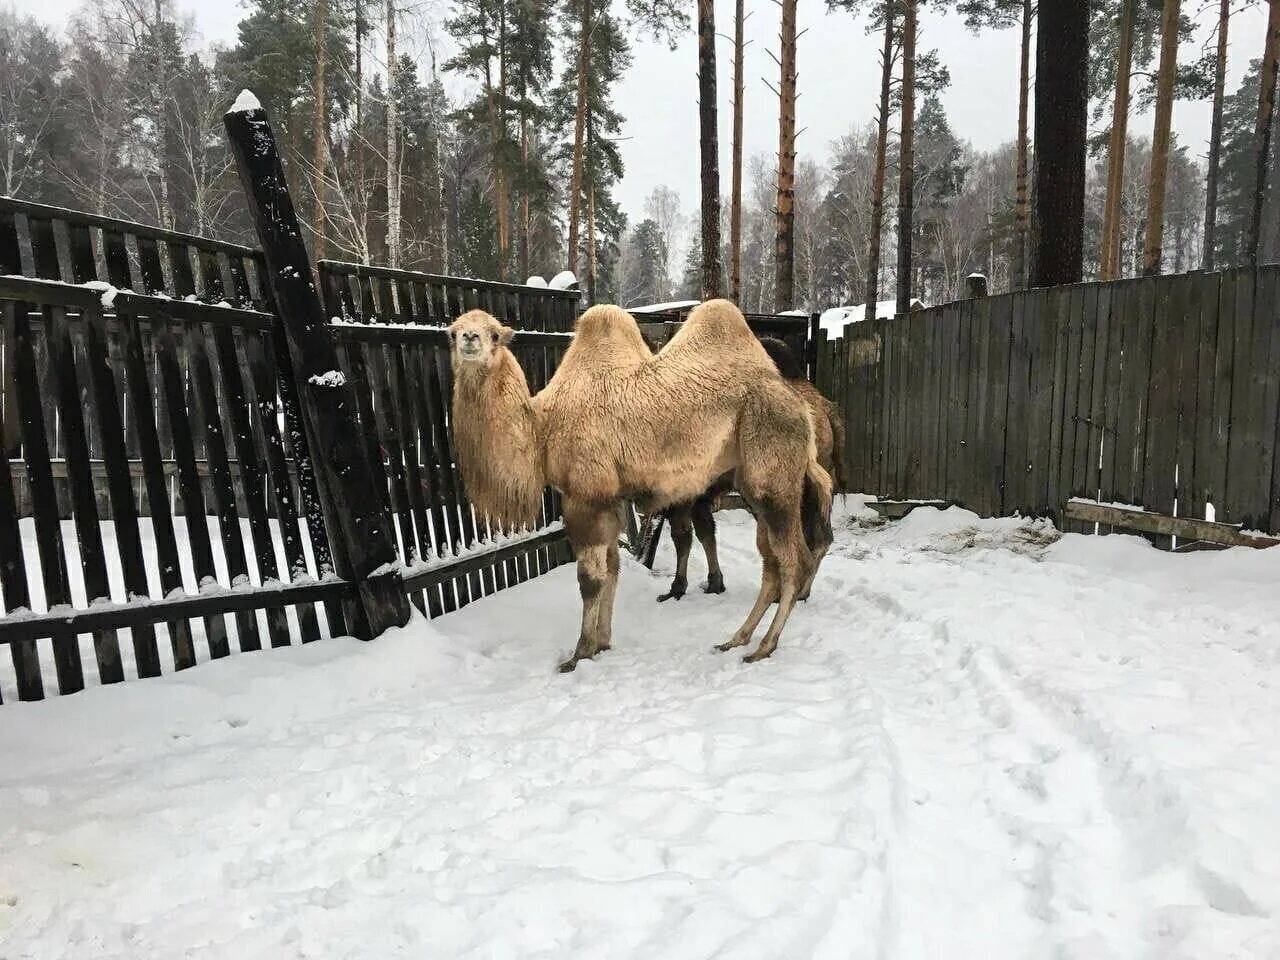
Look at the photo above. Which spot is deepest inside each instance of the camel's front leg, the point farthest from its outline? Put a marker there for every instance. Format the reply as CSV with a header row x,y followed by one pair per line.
x,y
593,532
680,520
704,525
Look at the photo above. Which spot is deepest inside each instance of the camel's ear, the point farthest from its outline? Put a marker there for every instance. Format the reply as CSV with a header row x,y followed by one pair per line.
x,y
505,334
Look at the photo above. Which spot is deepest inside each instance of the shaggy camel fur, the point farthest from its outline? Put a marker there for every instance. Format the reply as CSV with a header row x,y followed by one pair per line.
x,y
619,423
698,517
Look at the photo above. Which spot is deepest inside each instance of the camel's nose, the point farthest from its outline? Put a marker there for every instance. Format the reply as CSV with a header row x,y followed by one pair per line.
x,y
470,339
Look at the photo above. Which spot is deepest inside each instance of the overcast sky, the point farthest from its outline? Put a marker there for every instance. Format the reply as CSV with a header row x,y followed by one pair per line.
x,y
838,84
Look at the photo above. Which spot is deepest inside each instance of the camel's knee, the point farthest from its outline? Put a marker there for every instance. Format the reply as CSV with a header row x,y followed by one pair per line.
x,y
680,520
704,520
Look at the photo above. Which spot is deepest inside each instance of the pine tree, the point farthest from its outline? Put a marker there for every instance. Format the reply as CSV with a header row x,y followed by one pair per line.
x,y
1152,256
784,252
709,147
1061,110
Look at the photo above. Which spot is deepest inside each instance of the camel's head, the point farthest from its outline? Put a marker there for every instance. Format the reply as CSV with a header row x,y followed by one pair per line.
x,y
475,340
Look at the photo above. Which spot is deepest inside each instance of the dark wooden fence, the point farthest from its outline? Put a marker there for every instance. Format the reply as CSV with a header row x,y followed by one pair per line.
x,y
380,295
1159,392
389,328
159,504
798,331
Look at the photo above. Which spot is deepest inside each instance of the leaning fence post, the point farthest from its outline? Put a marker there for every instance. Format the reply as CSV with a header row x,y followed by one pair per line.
x,y
359,529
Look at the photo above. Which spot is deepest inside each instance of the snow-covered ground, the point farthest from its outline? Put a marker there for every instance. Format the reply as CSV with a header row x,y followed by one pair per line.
x,y
977,740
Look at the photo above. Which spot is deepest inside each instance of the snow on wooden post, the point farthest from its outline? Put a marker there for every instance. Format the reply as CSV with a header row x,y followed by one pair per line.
x,y
359,528
977,284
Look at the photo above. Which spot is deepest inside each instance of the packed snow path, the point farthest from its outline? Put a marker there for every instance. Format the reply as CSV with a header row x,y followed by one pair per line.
x,y
975,741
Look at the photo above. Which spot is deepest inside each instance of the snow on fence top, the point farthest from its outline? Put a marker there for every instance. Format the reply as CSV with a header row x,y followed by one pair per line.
x,y
672,306
833,320
245,103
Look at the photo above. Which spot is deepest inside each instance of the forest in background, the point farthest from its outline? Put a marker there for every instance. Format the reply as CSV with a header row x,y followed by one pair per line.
x,y
120,114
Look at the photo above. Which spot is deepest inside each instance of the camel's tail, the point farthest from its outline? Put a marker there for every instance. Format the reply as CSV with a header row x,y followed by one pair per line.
x,y
837,447
815,505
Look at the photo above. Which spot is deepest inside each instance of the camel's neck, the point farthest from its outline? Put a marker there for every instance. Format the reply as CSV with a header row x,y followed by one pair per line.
x,y
497,434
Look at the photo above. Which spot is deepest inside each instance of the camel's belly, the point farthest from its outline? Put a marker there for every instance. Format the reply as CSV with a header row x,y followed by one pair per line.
x,y
657,468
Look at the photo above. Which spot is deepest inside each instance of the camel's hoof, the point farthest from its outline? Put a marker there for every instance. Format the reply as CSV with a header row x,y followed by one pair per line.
x,y
678,587
729,645
715,584
757,656
569,666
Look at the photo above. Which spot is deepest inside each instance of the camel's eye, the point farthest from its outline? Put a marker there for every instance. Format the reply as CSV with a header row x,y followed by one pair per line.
x,y
495,336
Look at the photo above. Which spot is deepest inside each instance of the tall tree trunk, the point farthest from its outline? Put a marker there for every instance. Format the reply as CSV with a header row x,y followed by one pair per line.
x,y
1262,129
320,145
1062,98
579,132
709,147
525,215
437,123
360,208
1020,240
735,200
393,149
499,188
1154,249
162,95
1215,139
591,239
875,229
1109,259
785,241
501,173
906,159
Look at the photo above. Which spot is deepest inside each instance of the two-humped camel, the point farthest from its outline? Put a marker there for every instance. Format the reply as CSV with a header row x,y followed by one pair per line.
x,y
619,423
698,517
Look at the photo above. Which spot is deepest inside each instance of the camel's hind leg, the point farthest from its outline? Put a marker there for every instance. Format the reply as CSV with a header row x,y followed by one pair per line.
x,y
593,531
768,595
794,562
680,519
704,525
816,519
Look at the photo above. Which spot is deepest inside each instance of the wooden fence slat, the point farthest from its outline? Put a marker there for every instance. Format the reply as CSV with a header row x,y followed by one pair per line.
x,y
1244,444
44,500
1185,360
974,482
444,490
386,423
1160,459
1066,388
956,410
142,402
997,365
408,395
209,417
432,533
266,409
252,478
1135,379
13,581
1018,411
1042,447
64,382
1078,466
1111,378
418,363
189,485
1210,457
1267,312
